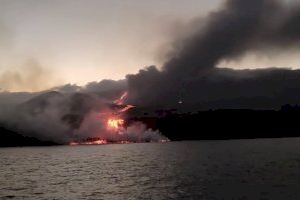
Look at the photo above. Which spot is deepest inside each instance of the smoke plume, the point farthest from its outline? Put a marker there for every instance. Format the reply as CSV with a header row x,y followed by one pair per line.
x,y
94,126
189,79
239,27
72,113
49,115
32,77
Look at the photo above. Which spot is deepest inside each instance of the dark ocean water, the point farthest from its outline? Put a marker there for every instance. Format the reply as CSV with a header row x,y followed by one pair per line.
x,y
241,169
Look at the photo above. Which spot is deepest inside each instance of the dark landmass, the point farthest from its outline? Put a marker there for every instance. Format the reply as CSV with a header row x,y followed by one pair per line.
x,y
227,124
12,139
204,125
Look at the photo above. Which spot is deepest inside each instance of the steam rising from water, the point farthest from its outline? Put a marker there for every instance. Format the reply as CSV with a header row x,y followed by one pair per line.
x,y
65,118
189,76
95,126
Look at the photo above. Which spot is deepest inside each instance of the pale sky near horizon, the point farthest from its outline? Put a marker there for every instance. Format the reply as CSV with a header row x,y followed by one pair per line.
x,y
78,41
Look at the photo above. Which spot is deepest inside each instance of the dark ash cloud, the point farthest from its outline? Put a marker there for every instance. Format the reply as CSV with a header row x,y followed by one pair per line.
x,y
189,79
239,27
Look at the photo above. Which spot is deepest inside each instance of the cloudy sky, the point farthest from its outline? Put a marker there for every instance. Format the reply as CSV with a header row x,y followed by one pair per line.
x,y
44,43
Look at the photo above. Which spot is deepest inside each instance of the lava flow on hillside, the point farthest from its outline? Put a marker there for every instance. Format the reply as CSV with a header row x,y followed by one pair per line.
x,y
115,129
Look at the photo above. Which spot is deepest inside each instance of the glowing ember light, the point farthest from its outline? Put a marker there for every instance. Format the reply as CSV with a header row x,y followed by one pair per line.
x,y
99,142
117,131
128,107
121,100
96,142
115,124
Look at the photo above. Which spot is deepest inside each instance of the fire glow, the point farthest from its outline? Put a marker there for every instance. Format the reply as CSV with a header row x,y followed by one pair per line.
x,y
115,124
115,129
114,121
95,142
121,100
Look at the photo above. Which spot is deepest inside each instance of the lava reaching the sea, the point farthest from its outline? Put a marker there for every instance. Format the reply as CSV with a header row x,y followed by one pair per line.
x,y
116,129
115,122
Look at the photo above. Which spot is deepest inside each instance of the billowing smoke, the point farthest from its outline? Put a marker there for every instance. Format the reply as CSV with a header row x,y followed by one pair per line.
x,y
237,28
95,126
190,75
19,72
103,86
138,132
65,115
189,79
51,115
32,77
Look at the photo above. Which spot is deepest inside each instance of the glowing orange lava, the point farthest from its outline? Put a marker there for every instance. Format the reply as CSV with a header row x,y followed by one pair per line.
x,y
126,108
121,100
96,142
115,124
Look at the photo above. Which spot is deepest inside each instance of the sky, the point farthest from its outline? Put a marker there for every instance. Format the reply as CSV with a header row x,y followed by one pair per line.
x,y
48,43
78,41
45,43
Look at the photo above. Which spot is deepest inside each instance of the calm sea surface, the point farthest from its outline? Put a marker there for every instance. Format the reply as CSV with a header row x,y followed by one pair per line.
x,y
241,169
